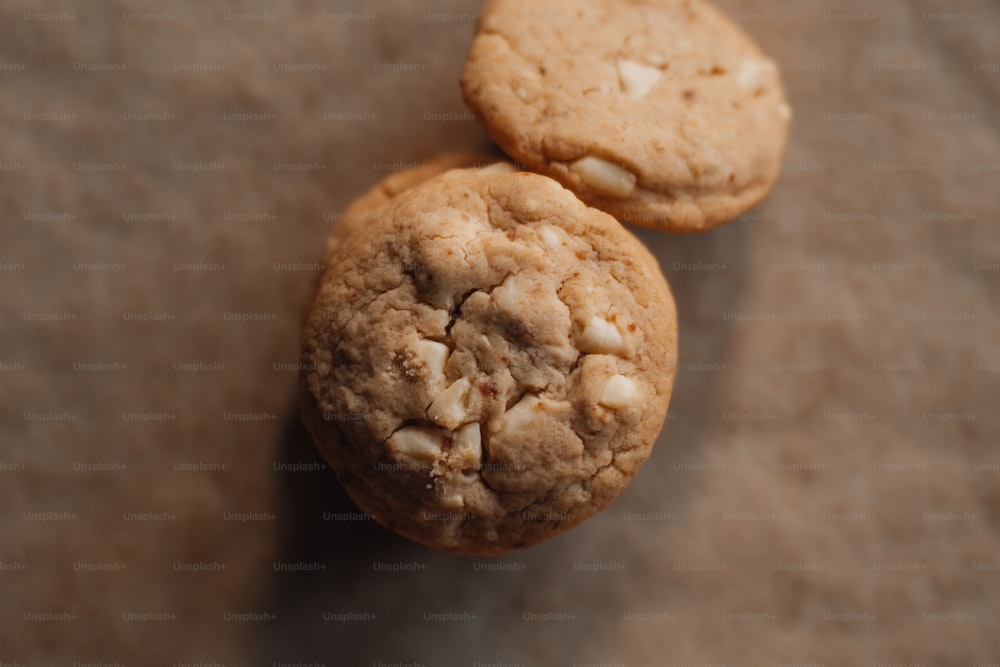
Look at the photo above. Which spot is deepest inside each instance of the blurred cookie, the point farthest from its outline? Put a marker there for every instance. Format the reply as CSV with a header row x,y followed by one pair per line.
x,y
661,112
491,364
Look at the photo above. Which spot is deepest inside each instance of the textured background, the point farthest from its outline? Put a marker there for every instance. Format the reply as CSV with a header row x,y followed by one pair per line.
x,y
827,488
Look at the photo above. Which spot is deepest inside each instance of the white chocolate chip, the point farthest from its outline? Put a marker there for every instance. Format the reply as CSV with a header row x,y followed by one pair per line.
x,y
416,442
520,418
603,177
467,449
498,168
550,237
637,79
600,337
448,409
508,297
434,355
751,76
619,392
785,111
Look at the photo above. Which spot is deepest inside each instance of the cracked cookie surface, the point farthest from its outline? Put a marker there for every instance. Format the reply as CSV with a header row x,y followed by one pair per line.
x,y
360,211
661,112
491,363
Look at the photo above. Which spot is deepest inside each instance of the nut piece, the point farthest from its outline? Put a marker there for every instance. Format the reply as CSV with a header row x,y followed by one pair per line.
x,y
751,76
600,337
467,450
603,177
636,78
448,409
619,392
417,442
434,355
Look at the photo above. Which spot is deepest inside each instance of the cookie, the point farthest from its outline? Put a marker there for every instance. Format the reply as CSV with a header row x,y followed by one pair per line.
x,y
660,112
359,211
490,364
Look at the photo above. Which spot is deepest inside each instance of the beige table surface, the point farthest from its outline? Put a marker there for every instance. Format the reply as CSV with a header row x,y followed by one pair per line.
x,y
826,490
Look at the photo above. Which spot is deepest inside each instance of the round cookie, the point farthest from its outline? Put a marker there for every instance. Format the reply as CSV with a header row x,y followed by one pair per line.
x,y
491,364
661,112
359,211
